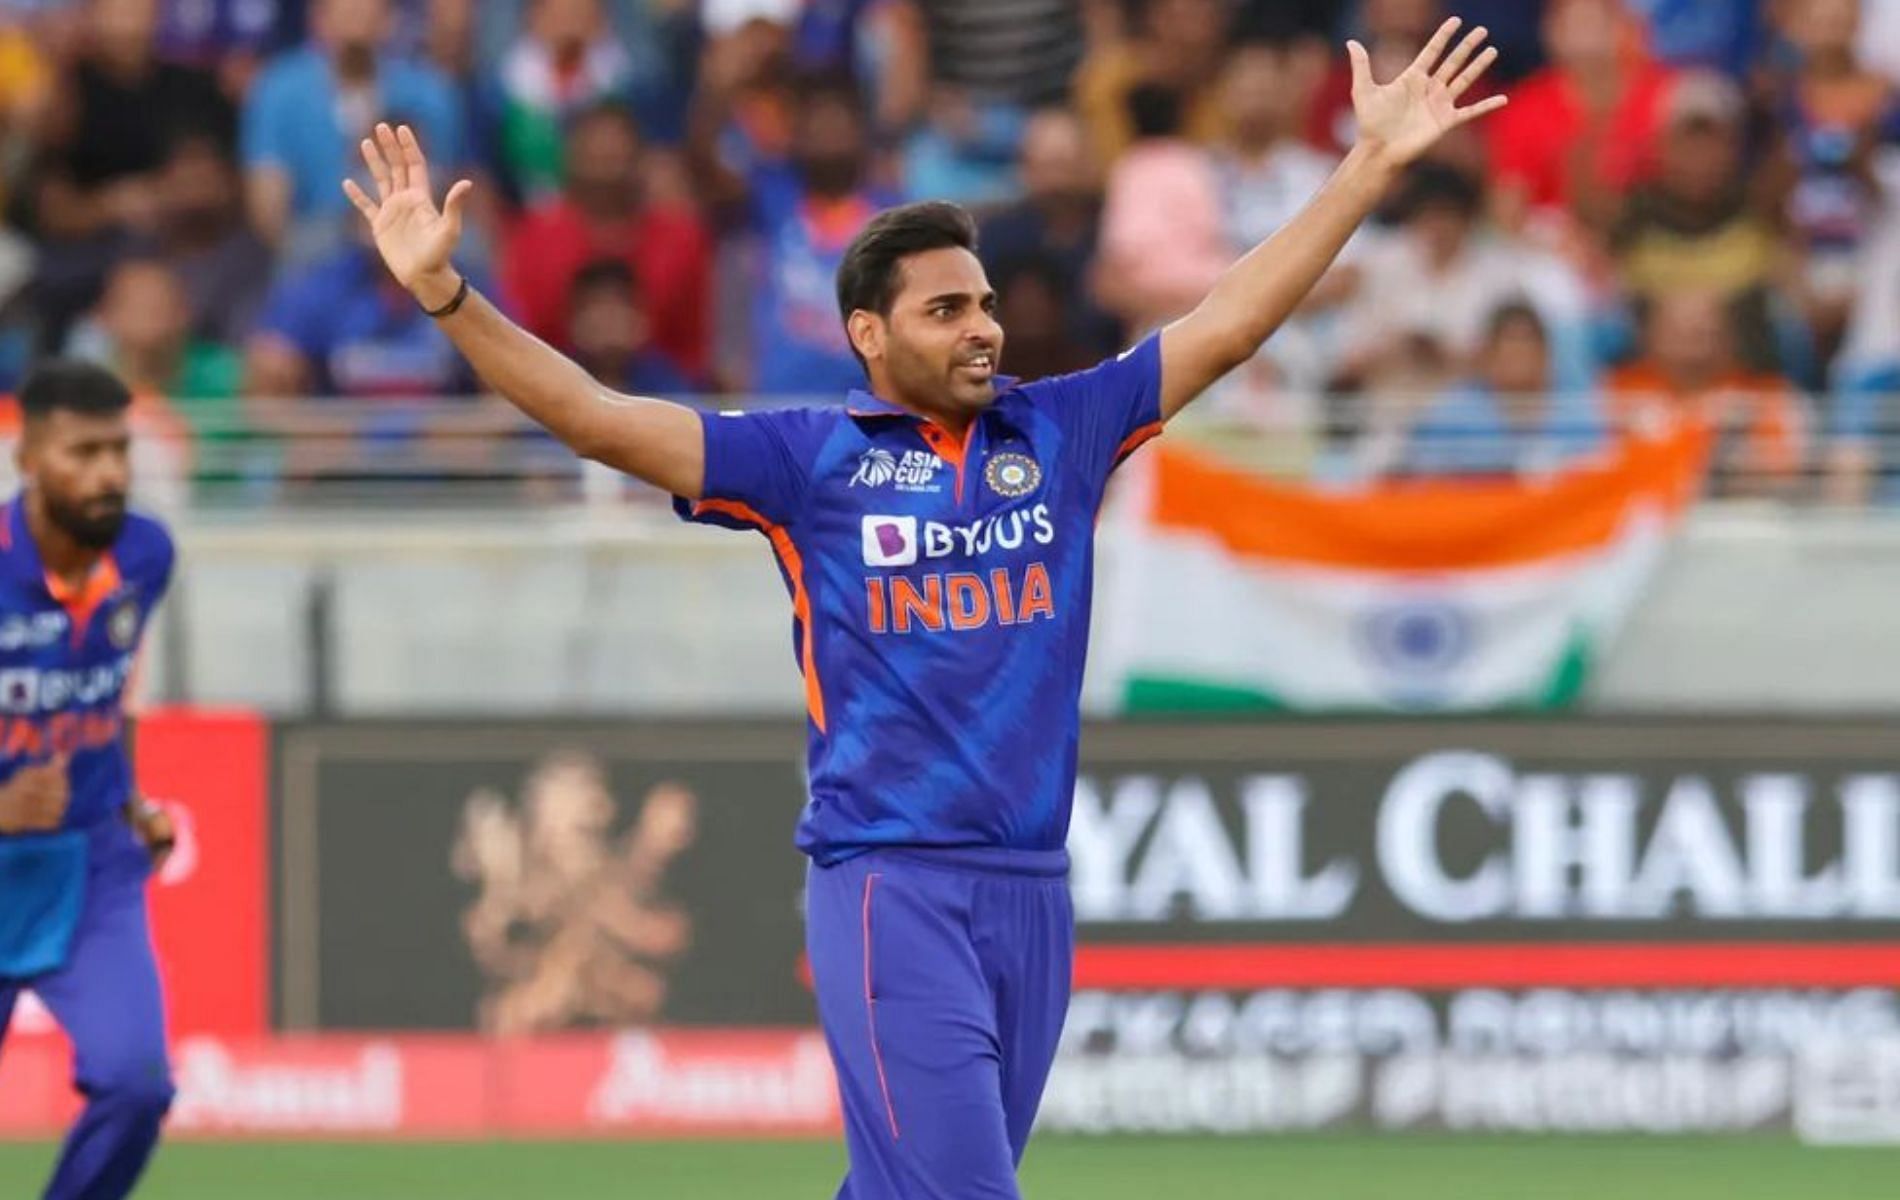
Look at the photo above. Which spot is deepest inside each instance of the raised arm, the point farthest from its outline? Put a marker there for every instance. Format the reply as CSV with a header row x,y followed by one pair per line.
x,y
653,440
1398,121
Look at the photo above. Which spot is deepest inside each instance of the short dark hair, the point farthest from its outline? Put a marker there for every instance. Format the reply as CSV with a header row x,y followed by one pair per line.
x,y
609,111
603,273
869,277
1515,311
1439,185
74,385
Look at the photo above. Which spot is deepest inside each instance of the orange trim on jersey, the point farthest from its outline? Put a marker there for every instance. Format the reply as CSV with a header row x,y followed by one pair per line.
x,y
946,446
80,604
1134,441
801,600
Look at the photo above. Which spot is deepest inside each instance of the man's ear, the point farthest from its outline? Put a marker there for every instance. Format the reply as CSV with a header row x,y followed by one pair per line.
x,y
866,330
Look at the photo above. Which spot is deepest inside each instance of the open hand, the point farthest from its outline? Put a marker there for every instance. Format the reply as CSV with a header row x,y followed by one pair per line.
x,y
414,237
1402,119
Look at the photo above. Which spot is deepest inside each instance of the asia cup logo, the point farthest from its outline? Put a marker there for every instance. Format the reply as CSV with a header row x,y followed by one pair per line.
x,y
1012,475
875,469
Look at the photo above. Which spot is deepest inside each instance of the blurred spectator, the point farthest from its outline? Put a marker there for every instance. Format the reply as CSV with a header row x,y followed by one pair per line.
x,y
112,117
657,36
1726,35
228,37
1056,221
1440,275
1831,114
566,62
803,210
1583,131
611,335
1176,45
1019,52
222,267
1266,174
1393,32
342,326
1163,244
1031,306
311,108
1689,371
1506,419
142,331
881,42
604,213
1864,455
26,91
963,150
1693,227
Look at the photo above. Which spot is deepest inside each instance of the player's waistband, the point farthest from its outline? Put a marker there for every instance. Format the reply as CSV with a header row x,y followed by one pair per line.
x,y
988,860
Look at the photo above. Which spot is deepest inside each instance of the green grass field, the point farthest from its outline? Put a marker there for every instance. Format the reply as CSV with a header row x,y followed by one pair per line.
x,y
1321,1168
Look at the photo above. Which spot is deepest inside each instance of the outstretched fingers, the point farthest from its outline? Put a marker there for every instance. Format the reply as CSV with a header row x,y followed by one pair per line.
x,y
1488,105
1471,74
1456,60
378,169
361,199
393,155
417,165
1435,49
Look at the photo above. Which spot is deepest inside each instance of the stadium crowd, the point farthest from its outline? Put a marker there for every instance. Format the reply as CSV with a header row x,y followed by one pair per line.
x,y
1684,213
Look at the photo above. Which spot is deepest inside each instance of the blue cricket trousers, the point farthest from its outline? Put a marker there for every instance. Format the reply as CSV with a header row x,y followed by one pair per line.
x,y
107,999
943,980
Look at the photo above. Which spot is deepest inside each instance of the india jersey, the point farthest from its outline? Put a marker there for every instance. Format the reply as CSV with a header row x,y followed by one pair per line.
x,y
940,594
65,658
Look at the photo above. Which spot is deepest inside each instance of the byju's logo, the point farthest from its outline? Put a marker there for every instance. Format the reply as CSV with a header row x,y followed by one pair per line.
x,y
890,541
875,468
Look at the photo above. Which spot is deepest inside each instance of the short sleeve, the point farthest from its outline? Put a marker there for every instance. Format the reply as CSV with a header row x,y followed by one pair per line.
x,y
758,466
1108,410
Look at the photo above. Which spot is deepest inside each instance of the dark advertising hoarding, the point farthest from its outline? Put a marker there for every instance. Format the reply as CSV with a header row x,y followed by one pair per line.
x,y
1664,924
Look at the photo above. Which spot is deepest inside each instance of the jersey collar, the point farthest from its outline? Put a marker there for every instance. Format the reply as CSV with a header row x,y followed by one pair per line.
x,y
861,403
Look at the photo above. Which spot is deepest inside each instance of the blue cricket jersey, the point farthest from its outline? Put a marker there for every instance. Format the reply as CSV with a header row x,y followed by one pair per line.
x,y
65,658
940,594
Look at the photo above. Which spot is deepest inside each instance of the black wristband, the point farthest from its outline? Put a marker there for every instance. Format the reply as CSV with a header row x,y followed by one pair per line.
x,y
455,302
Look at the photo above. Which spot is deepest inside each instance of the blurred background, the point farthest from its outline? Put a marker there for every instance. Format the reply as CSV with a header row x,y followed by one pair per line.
x,y
1495,695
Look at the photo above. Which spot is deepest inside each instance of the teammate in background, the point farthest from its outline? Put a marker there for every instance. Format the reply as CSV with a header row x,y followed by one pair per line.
x,y
936,537
79,577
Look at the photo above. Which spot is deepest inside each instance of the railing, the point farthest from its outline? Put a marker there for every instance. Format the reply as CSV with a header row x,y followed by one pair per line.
x,y
406,455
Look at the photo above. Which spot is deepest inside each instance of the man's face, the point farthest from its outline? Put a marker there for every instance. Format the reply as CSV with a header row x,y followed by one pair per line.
x,y
352,28
1582,34
126,27
1822,27
145,310
941,346
829,145
1689,337
603,164
607,326
81,467
566,26
1055,159
1259,92
197,191
1517,363
1701,161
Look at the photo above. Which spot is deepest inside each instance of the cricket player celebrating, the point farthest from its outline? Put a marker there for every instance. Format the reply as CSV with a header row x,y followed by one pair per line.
x,y
935,534
79,577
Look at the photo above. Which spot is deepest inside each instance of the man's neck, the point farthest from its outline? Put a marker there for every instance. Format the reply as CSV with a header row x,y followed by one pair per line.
x,y
63,557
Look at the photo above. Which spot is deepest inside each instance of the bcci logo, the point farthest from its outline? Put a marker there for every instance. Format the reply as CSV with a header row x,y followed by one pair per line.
x,y
123,625
875,469
1012,475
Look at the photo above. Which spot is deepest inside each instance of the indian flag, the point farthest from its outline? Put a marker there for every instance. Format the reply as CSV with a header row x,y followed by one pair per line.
x,y
1231,591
